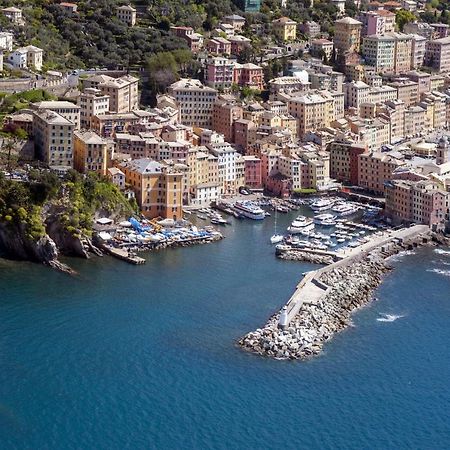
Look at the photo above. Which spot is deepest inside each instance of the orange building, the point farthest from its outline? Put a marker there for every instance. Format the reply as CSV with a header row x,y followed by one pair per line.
x,y
158,187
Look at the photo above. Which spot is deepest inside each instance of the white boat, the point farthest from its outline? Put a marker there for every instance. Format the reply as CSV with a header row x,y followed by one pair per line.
x,y
344,209
300,223
250,210
340,240
322,204
327,220
276,238
306,231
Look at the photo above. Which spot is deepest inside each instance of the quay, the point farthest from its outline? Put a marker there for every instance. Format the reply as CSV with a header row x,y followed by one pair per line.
x,y
310,289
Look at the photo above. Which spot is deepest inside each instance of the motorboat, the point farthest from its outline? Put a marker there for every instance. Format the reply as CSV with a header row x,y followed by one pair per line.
x,y
327,220
250,210
300,223
322,204
344,209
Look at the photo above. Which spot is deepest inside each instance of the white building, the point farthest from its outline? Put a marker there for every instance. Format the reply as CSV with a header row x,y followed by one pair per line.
x,y
29,57
6,41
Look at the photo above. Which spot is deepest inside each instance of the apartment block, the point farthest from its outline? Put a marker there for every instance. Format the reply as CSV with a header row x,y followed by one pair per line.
x,y
313,111
195,102
376,168
92,153
123,92
224,115
347,35
344,157
321,48
249,75
437,54
219,73
157,187
285,29
422,202
53,138
388,53
92,103
66,109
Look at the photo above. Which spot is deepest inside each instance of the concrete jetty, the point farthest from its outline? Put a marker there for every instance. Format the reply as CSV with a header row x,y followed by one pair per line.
x,y
124,255
325,298
311,289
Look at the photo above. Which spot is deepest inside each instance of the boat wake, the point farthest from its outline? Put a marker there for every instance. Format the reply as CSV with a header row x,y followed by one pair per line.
x,y
389,317
446,273
439,251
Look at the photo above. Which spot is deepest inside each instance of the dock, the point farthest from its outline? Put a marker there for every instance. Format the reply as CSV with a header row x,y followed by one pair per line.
x,y
124,255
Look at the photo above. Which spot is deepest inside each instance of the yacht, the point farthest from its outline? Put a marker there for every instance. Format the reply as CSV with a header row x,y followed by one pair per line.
x,y
250,210
306,231
300,223
326,220
344,209
322,204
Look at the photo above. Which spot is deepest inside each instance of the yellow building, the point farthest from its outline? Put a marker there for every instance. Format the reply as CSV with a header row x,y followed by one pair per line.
x,y
92,153
285,29
53,138
158,188
313,111
347,35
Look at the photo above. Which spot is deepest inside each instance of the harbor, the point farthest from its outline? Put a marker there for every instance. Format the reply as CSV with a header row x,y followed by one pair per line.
x,y
325,298
126,238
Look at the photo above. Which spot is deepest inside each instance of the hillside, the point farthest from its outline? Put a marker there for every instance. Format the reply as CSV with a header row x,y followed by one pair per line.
x,y
46,216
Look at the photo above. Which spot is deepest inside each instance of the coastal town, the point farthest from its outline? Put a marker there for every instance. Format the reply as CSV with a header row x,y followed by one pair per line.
x,y
348,121
364,111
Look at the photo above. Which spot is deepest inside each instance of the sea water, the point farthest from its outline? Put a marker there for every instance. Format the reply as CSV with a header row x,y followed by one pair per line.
x,y
145,357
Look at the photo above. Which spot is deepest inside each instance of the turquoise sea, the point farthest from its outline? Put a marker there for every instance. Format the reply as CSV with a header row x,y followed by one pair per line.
x,y
124,357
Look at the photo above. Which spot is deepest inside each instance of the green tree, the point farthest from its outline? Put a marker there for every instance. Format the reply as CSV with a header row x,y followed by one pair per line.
x,y
402,17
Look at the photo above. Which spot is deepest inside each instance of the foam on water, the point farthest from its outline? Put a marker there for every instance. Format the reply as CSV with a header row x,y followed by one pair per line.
x,y
440,272
440,251
389,317
399,256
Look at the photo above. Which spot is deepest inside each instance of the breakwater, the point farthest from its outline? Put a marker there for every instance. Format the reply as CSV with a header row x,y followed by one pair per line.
x,y
324,299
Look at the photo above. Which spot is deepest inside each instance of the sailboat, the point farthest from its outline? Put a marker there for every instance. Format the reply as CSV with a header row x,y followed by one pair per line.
x,y
276,238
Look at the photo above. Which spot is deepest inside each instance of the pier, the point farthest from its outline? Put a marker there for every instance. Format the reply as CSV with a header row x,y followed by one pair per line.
x,y
324,299
310,289
123,255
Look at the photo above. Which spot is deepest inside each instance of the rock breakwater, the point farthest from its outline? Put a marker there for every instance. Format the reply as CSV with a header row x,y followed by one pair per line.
x,y
298,255
348,288
347,285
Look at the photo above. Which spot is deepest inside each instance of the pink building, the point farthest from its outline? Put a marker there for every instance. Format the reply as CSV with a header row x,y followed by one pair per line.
x,y
243,131
194,40
253,175
219,46
239,43
219,73
420,202
279,184
380,22
249,75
